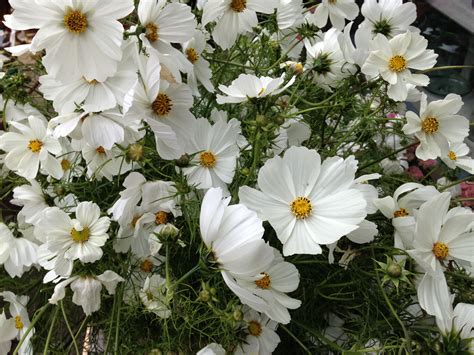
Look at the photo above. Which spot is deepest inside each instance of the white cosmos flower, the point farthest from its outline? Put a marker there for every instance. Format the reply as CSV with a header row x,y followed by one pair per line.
x,y
80,238
216,155
134,184
336,10
92,95
388,17
234,235
29,147
355,48
272,285
461,322
97,129
201,70
167,23
16,254
164,106
437,125
212,349
248,86
153,296
20,316
307,202
402,210
458,156
32,200
8,332
289,13
87,290
326,61
89,29
441,236
234,17
395,58
262,338
103,162
291,133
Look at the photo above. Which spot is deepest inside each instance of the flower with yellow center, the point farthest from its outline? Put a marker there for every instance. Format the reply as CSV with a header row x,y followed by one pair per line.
x,y
402,212
80,236
440,250
151,32
192,55
146,266
162,105
430,125
301,207
207,159
238,5
264,282
161,217
452,155
254,328
35,145
397,64
75,21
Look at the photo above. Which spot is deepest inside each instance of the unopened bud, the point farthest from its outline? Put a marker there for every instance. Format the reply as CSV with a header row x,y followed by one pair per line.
x,y
135,152
238,315
183,161
204,296
394,270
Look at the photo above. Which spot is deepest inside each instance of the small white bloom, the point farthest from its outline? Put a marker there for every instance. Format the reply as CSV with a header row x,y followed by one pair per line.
x,y
458,156
437,125
234,17
336,10
307,202
103,162
216,155
201,72
212,349
29,147
153,296
248,86
32,200
291,133
395,58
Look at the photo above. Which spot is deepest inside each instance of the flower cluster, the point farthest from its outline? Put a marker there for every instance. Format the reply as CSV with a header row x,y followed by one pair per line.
x,y
207,165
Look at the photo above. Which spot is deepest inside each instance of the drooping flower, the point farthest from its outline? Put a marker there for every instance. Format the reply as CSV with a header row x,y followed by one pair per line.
x,y
30,146
32,200
248,86
336,10
395,58
234,17
307,202
216,152
89,30
87,290
193,49
153,296
437,125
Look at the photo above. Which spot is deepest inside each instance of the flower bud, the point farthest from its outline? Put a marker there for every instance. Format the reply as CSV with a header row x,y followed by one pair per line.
x,y
169,231
135,152
238,315
183,161
204,296
394,270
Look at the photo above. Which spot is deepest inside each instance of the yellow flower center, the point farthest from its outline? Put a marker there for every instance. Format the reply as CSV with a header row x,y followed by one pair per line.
x,y
192,55
452,155
397,64
35,145
162,105
18,323
92,82
264,282
400,213
440,250
80,236
332,1
254,328
161,217
207,159
301,207
100,150
238,5
430,125
151,32
75,21
146,266
65,164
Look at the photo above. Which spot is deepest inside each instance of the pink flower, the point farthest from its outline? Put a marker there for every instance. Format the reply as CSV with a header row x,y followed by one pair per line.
x,y
428,164
410,153
467,191
415,172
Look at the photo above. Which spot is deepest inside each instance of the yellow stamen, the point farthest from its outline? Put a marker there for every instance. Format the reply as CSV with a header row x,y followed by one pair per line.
x,y
80,236
162,105
192,55
400,213
151,32
35,145
208,159
452,155
65,164
238,5
75,21
264,282
440,250
430,125
397,64
18,323
254,328
146,266
100,150
301,207
161,217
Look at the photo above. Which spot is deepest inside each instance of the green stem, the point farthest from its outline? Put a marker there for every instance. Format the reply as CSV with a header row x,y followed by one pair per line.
x,y
388,155
446,67
455,183
68,326
295,339
119,295
37,316
50,332
185,276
